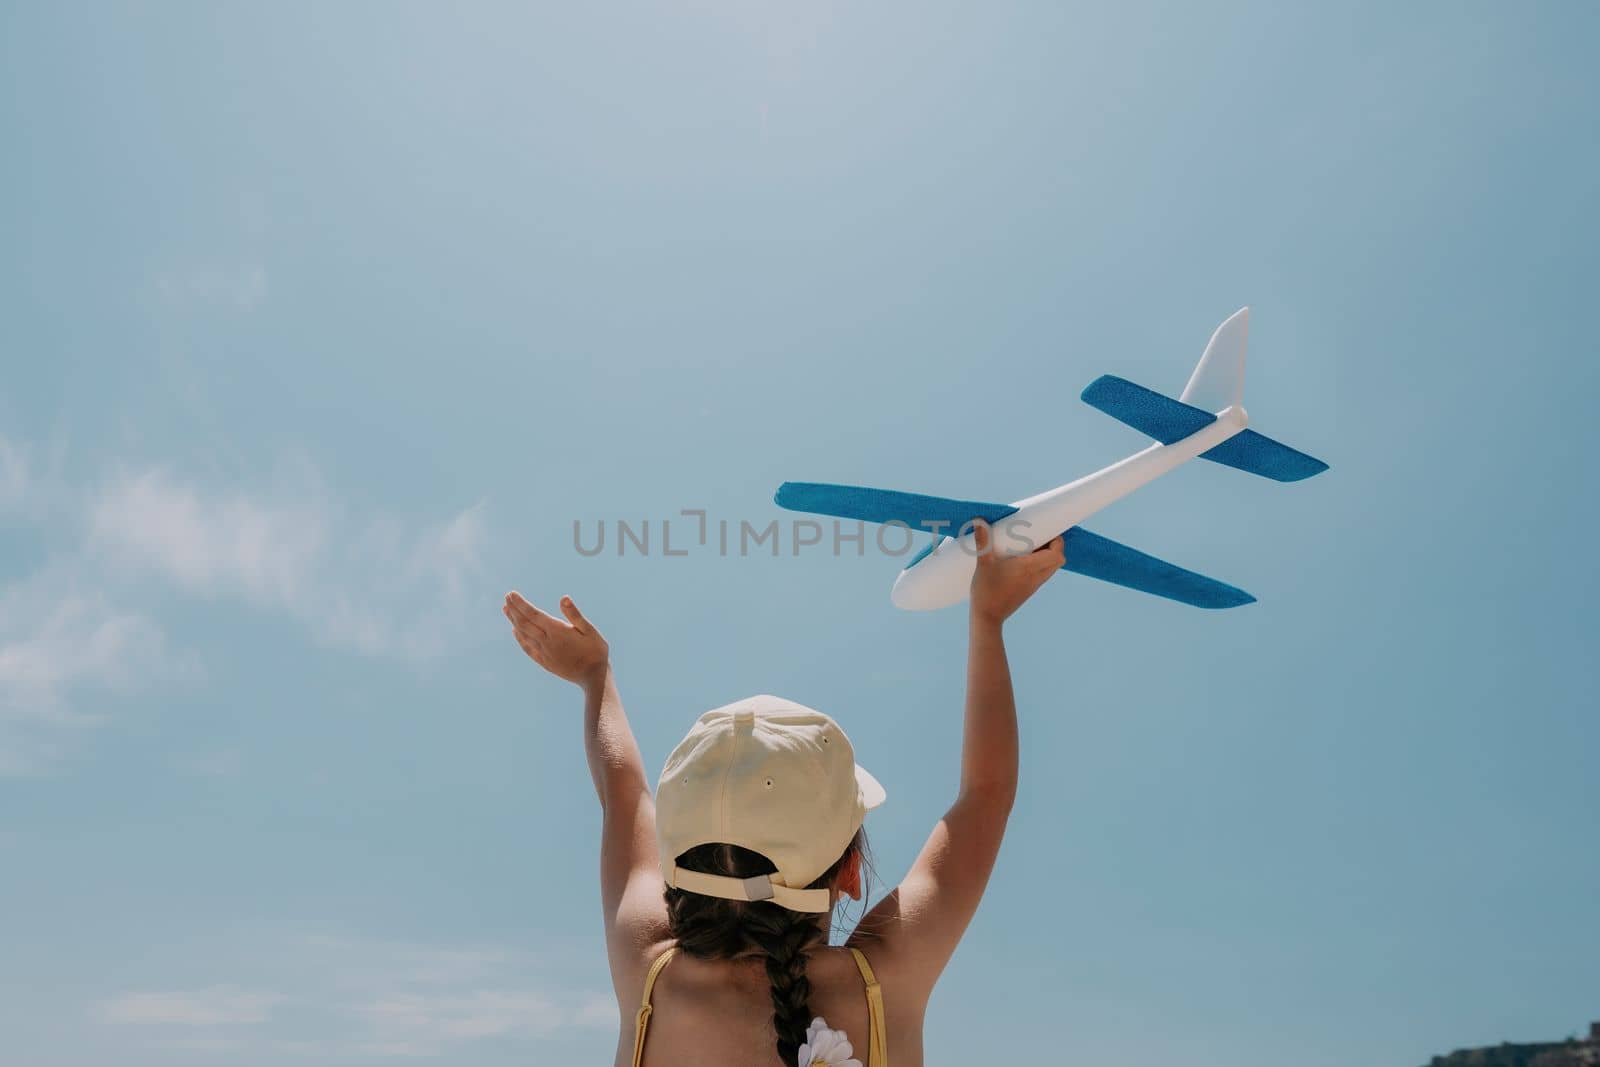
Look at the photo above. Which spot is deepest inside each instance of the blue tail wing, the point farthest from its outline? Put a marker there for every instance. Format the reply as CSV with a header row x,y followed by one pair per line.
x,y
1110,561
1154,415
1168,420
1258,454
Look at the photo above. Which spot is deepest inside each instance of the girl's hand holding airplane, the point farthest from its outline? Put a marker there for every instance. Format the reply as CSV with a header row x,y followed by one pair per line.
x,y
572,650
1002,584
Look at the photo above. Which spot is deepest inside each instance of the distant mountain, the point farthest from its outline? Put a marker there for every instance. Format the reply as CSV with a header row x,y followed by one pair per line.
x,y
1575,1052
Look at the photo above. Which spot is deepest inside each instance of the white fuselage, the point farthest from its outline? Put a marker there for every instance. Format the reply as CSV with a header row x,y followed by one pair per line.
x,y
943,577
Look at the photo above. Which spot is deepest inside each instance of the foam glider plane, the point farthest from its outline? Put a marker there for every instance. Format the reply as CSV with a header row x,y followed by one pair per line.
x,y
1207,420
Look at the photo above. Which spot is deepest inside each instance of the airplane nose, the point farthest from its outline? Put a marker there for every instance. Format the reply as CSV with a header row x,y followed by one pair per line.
x,y
902,593
927,586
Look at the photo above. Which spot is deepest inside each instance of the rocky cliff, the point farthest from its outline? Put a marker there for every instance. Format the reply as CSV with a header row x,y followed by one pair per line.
x,y
1575,1052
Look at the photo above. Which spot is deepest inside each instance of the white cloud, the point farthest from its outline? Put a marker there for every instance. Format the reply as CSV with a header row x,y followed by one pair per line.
x,y
217,1006
225,542
597,1010
418,1000
430,1019
61,637
76,638
376,586
364,963
368,997
59,643
203,1043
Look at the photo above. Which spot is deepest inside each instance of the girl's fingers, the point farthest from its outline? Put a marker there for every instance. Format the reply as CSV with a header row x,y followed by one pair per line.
x,y
574,616
1049,550
1052,554
532,636
522,608
980,537
524,633
522,611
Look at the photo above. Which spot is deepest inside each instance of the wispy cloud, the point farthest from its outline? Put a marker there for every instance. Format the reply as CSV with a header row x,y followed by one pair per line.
x,y
377,585
61,642
374,585
62,638
226,542
366,997
433,1019
52,643
218,1006
409,999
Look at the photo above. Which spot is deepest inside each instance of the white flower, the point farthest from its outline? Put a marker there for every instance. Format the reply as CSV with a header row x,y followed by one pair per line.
x,y
826,1048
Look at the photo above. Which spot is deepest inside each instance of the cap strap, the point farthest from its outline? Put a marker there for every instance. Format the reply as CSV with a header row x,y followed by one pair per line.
x,y
761,887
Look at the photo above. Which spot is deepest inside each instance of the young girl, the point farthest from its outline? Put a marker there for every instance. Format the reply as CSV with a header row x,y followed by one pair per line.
x,y
718,892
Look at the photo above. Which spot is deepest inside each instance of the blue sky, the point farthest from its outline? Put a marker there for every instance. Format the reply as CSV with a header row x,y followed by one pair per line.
x,y
321,326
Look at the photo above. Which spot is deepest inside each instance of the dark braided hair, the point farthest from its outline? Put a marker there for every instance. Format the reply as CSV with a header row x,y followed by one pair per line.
x,y
717,929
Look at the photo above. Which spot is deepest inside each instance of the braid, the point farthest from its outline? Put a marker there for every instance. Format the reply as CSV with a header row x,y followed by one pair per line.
x,y
713,928
786,939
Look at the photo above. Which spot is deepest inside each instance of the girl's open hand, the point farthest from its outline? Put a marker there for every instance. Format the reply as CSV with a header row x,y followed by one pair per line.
x,y
1002,584
572,650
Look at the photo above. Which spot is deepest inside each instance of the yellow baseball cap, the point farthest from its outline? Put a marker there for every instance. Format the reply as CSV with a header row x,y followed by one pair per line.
x,y
772,776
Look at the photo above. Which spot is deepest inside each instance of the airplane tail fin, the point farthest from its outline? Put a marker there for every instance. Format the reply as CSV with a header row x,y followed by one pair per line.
x,y
1218,379
1217,383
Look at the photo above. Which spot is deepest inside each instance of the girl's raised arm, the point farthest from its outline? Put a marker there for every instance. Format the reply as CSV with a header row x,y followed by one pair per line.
x,y
630,876
916,928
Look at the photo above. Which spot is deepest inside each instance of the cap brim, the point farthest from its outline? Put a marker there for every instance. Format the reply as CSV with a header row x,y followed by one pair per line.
x,y
872,793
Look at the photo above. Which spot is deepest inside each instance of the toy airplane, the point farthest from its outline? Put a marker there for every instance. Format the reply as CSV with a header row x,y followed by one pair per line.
x,y
1184,428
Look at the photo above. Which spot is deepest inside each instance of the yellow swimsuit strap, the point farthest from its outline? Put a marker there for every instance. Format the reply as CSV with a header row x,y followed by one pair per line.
x,y
642,1021
878,1038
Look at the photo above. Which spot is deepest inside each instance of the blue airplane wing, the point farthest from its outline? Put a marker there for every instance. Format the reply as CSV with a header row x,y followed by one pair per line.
x,y
1087,553
924,513
1099,557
